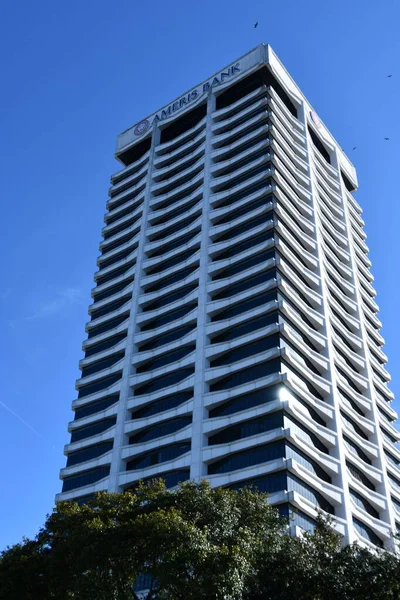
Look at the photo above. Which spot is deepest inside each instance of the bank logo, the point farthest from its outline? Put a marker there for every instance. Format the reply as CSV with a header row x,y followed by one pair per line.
x,y
141,127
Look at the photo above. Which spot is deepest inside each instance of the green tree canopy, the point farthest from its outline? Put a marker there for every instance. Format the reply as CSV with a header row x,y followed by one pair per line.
x,y
191,543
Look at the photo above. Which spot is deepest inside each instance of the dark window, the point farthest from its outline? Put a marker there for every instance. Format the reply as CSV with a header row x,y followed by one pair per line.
x,y
349,186
367,533
184,123
348,379
175,260
273,482
248,458
250,349
164,381
233,181
108,343
171,297
107,325
250,374
245,284
252,241
319,145
250,83
171,478
102,364
305,461
165,359
162,283
168,317
305,434
309,386
352,447
245,401
95,451
95,407
157,456
114,289
160,430
110,307
122,227
171,336
86,478
255,187
119,242
117,257
296,485
115,273
123,213
363,503
244,227
245,305
359,476
134,153
159,406
247,429
99,385
93,429
166,231
247,263
164,249
353,426
247,327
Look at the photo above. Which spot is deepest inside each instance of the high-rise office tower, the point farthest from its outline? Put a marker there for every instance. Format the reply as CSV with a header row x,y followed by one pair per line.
x,y
233,333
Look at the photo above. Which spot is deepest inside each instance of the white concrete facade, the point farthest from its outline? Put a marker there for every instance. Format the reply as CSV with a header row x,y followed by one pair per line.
x,y
234,333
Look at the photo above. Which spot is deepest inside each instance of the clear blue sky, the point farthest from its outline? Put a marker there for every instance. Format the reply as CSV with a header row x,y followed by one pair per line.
x,y
74,75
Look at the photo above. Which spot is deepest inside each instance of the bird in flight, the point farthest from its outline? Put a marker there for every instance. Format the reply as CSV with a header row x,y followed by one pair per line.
x,y
354,147
386,139
256,25
389,75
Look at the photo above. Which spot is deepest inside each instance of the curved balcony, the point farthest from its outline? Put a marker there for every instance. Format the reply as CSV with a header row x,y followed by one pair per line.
x,y
217,168
131,169
129,194
280,145
285,208
295,361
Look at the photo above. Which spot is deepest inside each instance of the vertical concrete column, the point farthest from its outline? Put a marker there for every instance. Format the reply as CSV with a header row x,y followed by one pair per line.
x,y
197,468
116,463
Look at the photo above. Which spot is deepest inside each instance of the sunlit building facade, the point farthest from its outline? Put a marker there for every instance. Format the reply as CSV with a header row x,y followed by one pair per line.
x,y
233,333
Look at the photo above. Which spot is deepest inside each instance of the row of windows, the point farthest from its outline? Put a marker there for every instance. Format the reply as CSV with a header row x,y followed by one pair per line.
x,y
170,478
247,327
120,228
243,210
93,429
111,324
245,284
367,533
159,406
123,239
168,317
99,385
162,283
175,260
165,359
245,401
247,429
233,232
114,289
105,344
115,273
183,224
354,449
160,430
166,338
250,242
359,476
247,263
164,381
111,307
89,453
86,478
247,350
170,297
363,503
95,407
95,367
157,456
247,375
117,257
